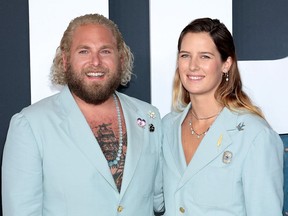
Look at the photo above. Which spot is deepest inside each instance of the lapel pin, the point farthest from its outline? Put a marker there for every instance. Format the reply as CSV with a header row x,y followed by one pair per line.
x,y
219,142
227,157
151,128
141,122
240,126
152,114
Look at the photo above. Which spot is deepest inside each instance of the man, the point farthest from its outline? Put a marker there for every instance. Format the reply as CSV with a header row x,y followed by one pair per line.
x,y
88,150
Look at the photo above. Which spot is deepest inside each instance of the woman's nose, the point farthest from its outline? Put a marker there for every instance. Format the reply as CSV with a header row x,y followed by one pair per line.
x,y
193,65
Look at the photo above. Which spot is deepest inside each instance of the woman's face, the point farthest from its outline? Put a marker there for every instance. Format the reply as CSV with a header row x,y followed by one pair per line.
x,y
200,65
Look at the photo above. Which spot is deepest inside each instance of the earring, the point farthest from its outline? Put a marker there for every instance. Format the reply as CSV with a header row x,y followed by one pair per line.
x,y
226,74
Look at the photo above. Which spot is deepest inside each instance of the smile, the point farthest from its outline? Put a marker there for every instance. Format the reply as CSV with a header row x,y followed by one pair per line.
x,y
195,77
95,74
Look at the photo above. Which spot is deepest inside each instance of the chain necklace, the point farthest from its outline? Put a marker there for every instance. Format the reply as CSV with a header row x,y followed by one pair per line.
x,y
193,132
205,118
120,148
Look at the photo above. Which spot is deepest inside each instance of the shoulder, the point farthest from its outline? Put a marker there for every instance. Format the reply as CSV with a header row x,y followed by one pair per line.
x,y
171,117
255,128
253,122
138,104
42,107
171,121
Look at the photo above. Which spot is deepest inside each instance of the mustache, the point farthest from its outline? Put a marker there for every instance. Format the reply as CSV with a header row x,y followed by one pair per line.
x,y
95,69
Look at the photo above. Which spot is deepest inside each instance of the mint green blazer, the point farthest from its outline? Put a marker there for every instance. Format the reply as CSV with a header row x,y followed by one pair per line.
x,y
237,169
53,165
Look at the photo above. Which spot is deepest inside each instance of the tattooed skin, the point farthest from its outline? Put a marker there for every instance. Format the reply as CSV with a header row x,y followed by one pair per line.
x,y
107,136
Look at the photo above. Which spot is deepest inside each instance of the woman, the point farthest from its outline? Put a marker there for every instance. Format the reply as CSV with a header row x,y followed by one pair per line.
x,y
221,157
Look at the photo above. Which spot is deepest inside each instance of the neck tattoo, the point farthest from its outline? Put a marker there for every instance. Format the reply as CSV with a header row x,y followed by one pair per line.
x,y
120,148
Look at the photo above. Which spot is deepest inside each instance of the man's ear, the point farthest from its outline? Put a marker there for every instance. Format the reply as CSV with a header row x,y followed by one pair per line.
x,y
64,61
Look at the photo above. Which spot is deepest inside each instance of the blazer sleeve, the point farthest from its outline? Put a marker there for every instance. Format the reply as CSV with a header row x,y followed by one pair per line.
x,y
21,171
263,175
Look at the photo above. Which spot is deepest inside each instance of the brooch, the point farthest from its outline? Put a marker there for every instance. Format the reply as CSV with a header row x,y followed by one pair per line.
x,y
151,128
240,126
151,114
141,122
227,157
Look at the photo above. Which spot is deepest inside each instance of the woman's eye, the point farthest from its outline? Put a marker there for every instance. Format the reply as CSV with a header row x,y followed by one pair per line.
x,y
205,57
184,56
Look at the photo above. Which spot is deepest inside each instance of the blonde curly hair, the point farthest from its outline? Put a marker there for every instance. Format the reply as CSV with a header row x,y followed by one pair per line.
x,y
57,73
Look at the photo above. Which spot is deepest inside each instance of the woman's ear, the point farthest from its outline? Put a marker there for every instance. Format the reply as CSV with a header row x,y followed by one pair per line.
x,y
227,64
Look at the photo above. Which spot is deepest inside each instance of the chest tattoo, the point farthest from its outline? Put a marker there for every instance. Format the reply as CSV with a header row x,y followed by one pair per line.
x,y
108,139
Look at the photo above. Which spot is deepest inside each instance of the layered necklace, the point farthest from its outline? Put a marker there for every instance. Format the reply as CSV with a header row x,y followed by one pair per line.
x,y
120,148
193,132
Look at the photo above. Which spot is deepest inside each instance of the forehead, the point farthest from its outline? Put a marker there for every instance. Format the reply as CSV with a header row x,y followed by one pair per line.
x,y
197,40
93,33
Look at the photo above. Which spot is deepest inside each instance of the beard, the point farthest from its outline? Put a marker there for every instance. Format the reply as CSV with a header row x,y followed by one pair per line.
x,y
92,93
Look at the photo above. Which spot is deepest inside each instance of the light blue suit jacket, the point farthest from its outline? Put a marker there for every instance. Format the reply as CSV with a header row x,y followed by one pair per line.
x,y
237,169
53,165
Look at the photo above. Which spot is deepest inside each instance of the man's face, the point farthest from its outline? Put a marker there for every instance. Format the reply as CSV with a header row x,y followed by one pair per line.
x,y
94,68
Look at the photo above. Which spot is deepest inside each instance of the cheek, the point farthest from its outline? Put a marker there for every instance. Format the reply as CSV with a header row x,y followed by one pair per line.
x,y
78,64
183,67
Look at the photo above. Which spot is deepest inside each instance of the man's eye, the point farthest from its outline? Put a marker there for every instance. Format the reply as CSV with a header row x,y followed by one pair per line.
x,y
106,51
83,51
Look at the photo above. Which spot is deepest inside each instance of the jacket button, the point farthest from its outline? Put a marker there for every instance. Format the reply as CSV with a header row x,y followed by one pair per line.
x,y
120,208
286,150
182,210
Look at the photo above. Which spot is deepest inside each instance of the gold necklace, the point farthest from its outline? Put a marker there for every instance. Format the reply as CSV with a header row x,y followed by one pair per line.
x,y
193,132
204,118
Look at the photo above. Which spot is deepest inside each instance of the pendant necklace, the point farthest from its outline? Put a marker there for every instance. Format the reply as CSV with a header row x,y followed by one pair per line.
x,y
193,132
120,148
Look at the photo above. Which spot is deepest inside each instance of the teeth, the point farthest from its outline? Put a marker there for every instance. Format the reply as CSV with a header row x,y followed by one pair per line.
x,y
96,74
195,77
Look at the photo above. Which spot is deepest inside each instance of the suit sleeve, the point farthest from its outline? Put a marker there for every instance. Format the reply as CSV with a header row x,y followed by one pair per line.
x,y
21,171
263,175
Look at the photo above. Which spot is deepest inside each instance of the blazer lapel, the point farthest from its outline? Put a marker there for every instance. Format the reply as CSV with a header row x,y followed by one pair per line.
x,y
175,144
77,128
136,136
212,145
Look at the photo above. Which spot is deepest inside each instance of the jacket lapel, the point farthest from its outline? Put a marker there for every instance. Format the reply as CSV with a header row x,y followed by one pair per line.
x,y
76,127
136,136
212,145
175,143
